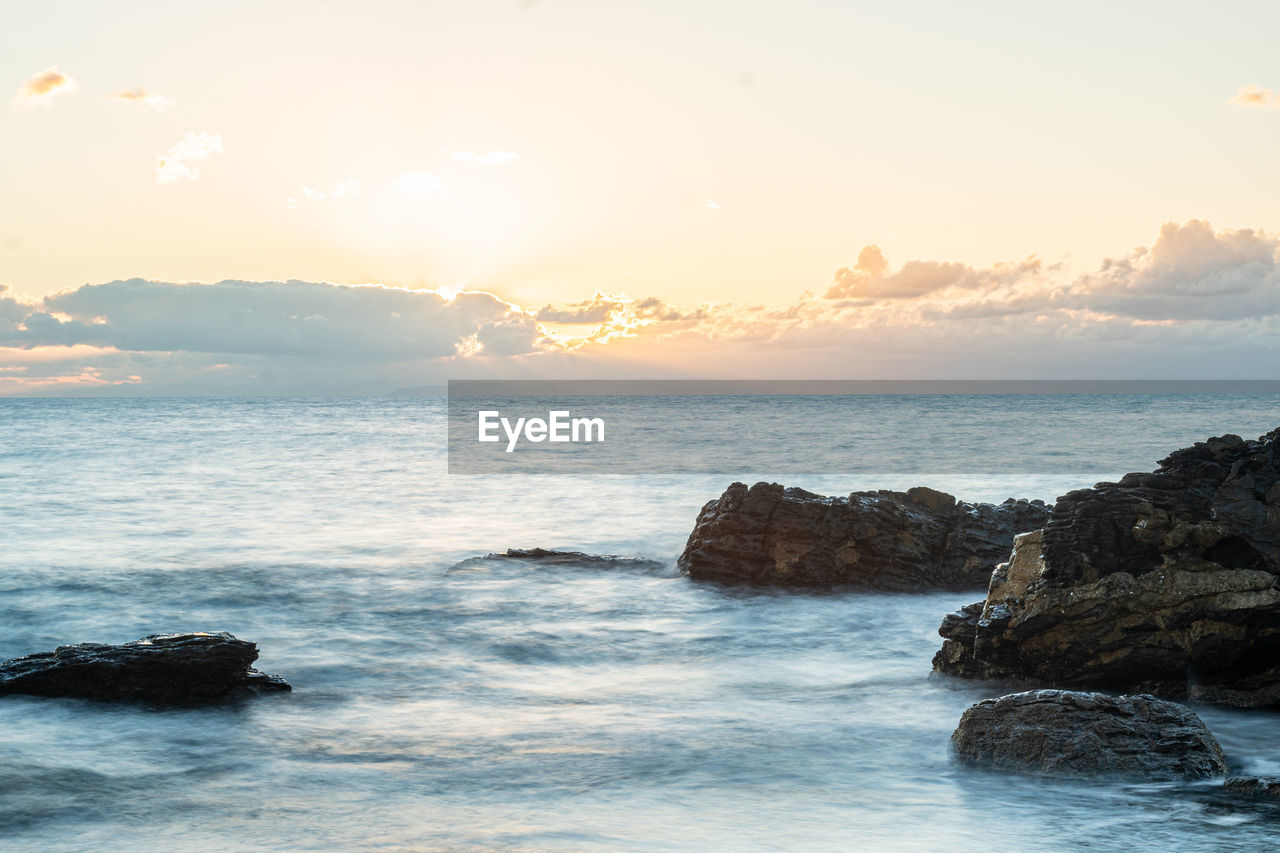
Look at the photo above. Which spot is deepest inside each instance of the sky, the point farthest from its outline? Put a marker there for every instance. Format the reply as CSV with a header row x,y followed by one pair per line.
x,y
340,197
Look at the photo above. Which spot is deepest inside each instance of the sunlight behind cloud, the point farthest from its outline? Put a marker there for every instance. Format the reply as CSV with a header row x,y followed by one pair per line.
x,y
1195,290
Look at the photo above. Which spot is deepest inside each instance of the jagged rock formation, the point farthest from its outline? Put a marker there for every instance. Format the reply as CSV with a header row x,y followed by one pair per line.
x,y
1165,583
162,668
921,539
1061,733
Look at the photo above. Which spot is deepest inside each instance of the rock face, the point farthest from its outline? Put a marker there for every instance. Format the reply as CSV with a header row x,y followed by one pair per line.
x,y
1164,583
1061,733
904,541
162,667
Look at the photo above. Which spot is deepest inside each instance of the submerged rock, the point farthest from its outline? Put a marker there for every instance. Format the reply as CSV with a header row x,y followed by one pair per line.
x,y
1253,786
162,667
921,539
1062,733
545,557
1164,583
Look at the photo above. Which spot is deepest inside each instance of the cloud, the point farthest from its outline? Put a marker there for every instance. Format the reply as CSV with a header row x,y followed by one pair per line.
x,y
1255,96
340,189
611,316
712,205
418,183
293,318
12,312
10,308
598,309
184,160
1198,303
316,337
40,89
1191,272
870,277
140,97
493,158
517,335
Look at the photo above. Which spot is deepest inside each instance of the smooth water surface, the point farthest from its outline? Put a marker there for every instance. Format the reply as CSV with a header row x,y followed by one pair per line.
x,y
507,706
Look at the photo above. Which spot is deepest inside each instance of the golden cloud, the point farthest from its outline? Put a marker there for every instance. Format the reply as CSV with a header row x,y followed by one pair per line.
x,y
40,89
140,97
1255,96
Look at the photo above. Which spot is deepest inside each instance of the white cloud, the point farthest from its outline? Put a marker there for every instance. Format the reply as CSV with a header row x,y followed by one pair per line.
x,y
493,158
184,160
140,97
871,278
420,183
340,189
41,88
712,205
1199,302
1191,272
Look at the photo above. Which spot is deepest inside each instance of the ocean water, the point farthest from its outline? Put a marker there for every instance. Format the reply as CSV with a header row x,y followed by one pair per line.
x,y
515,707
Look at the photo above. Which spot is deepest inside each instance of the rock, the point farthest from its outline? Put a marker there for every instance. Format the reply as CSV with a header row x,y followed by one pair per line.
x,y
1061,733
545,557
162,667
921,539
1164,583
1254,786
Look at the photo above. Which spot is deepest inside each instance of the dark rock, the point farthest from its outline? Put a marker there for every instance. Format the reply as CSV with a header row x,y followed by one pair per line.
x,y
1061,733
1164,583
545,557
162,667
1254,786
905,541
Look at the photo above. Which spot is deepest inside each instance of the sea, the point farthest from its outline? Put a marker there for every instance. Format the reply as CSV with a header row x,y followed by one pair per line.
x,y
447,703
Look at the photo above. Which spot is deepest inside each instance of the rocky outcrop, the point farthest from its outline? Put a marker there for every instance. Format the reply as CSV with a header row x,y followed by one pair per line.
x,y
161,668
1164,583
1253,786
547,557
905,541
1061,733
